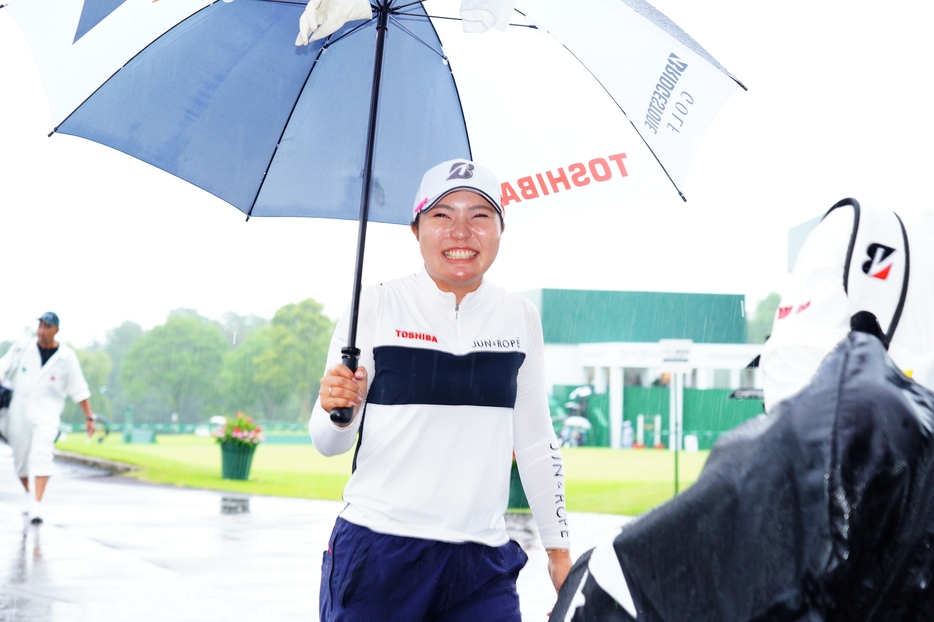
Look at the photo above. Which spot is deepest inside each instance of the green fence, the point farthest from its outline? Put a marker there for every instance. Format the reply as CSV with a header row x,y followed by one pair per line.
x,y
188,428
708,413
648,401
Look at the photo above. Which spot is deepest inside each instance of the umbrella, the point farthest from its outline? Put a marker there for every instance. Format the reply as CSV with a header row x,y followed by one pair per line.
x,y
575,103
577,421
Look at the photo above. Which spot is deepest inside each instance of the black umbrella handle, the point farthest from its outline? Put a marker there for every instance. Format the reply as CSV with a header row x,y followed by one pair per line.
x,y
350,357
351,354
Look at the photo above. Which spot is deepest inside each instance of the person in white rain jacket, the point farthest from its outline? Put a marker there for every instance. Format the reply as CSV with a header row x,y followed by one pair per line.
x,y
42,373
860,258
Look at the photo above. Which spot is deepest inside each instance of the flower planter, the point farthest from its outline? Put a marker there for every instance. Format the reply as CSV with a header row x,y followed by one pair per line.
x,y
236,459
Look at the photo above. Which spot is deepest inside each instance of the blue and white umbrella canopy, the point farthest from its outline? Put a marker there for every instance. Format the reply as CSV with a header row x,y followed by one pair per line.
x,y
577,102
582,102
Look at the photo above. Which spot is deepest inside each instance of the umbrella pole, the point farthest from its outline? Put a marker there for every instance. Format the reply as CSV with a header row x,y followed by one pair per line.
x,y
350,355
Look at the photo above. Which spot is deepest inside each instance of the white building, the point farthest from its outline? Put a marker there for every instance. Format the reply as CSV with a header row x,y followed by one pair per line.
x,y
618,342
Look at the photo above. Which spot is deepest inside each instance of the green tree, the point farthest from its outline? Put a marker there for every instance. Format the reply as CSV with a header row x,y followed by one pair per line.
x,y
759,325
297,347
96,366
118,342
186,312
177,363
241,379
238,327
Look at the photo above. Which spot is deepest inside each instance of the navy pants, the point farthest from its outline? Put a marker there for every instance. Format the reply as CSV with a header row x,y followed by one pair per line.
x,y
369,576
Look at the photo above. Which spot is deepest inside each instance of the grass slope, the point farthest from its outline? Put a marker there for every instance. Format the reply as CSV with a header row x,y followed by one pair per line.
x,y
597,479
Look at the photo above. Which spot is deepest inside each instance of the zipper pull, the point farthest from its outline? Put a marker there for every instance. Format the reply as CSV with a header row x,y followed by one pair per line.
x,y
456,308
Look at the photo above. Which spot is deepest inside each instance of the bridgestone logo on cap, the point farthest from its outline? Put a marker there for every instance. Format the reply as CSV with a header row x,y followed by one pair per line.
x,y
461,170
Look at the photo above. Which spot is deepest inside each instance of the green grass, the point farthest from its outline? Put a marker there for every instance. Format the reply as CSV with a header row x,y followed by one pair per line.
x,y
625,482
597,479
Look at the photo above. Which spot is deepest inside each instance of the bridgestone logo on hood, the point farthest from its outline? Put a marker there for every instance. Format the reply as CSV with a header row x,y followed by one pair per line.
x,y
666,84
878,254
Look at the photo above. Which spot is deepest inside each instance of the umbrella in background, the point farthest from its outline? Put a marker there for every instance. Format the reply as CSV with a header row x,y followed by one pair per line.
x,y
577,421
576,102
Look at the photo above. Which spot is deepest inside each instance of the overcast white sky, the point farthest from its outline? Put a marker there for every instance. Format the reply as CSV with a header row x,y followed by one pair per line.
x,y
838,105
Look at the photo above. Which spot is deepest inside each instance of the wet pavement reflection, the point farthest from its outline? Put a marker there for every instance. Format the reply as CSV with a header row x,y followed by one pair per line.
x,y
19,602
113,549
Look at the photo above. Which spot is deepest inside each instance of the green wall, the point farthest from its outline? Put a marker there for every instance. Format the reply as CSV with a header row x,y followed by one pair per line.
x,y
708,413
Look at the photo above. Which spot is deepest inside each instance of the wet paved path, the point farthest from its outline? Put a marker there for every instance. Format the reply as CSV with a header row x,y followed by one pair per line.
x,y
113,549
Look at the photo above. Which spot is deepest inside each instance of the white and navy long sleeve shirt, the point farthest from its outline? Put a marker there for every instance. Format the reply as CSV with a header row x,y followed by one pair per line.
x,y
453,390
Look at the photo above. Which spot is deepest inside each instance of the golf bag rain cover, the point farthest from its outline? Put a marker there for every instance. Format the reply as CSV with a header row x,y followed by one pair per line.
x,y
822,511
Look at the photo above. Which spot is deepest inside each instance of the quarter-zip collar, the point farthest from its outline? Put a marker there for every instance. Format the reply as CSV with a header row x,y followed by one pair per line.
x,y
448,300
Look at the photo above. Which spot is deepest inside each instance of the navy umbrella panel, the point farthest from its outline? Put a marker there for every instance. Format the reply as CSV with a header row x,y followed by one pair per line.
x,y
226,101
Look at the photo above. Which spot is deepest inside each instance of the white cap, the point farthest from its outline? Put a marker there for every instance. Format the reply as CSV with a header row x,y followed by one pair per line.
x,y
445,178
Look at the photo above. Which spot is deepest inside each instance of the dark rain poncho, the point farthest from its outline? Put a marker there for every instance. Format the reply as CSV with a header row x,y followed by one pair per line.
x,y
822,511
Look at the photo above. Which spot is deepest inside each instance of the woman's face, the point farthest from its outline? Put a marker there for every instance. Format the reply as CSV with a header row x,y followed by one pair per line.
x,y
459,239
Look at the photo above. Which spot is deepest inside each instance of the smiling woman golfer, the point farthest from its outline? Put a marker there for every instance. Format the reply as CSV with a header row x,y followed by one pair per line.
x,y
450,383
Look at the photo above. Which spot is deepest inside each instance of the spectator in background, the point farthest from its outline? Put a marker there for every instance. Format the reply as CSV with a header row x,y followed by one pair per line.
x,y
42,372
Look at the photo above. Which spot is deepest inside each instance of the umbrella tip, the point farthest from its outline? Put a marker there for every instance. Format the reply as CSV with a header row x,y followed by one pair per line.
x,y
247,218
53,129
